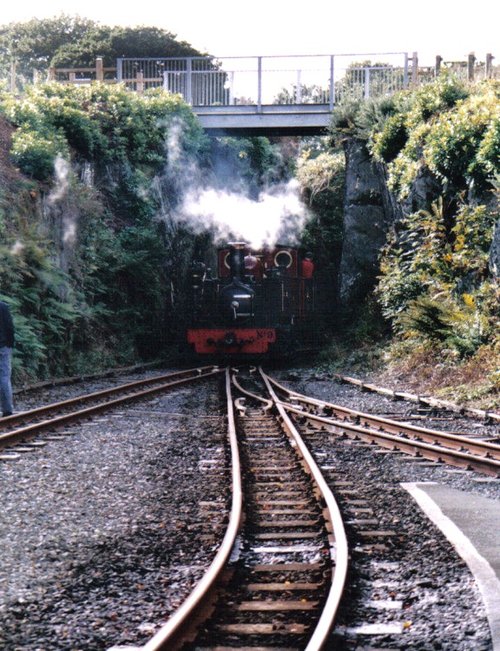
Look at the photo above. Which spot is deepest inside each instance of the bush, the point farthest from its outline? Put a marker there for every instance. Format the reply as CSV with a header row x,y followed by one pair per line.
x,y
446,128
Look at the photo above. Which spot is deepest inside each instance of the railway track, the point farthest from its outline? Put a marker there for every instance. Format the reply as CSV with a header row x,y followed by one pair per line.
x,y
454,449
277,580
25,426
278,577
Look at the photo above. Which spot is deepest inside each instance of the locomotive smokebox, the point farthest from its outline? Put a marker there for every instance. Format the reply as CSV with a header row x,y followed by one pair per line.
x,y
237,298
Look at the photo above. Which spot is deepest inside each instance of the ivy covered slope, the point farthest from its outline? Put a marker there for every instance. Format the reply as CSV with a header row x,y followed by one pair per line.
x,y
86,245
439,281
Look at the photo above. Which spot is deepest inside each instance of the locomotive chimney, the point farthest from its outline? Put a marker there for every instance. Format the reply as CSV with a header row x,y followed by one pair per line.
x,y
237,259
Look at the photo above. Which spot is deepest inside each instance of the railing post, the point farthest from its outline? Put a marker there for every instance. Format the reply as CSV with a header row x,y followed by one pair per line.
x,y
414,69
99,69
189,81
139,78
437,67
332,83
298,89
405,71
231,87
119,70
489,66
367,83
71,77
259,84
471,60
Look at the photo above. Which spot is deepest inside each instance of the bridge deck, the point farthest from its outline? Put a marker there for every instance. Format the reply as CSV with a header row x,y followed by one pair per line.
x,y
266,120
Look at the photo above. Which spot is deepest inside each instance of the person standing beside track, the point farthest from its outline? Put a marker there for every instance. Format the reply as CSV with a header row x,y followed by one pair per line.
x,y
6,346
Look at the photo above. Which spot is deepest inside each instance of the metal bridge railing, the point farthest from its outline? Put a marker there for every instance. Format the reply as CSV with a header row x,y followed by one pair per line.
x,y
322,80
308,79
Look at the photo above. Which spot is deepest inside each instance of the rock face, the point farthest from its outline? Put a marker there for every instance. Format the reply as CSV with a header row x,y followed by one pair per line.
x,y
369,211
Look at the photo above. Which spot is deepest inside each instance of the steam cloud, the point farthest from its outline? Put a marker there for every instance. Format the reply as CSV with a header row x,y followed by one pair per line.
x,y
276,215
62,171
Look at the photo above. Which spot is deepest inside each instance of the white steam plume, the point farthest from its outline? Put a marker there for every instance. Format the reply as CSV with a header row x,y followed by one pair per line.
x,y
61,170
277,214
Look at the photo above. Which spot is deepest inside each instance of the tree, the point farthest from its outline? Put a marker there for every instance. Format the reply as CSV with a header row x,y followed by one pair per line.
x,y
71,41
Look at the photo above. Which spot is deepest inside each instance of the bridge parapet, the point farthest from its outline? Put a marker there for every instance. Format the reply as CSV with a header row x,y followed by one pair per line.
x,y
285,80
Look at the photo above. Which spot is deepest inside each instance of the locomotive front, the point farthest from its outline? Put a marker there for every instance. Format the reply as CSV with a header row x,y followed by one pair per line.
x,y
252,304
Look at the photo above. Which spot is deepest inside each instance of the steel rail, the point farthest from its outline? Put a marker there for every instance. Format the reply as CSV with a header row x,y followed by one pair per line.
x,y
268,403
22,433
89,397
424,400
413,447
456,442
171,636
341,557
86,377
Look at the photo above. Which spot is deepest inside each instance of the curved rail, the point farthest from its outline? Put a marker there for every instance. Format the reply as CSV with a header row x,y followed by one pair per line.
x,y
268,403
170,636
461,451
165,382
90,397
326,621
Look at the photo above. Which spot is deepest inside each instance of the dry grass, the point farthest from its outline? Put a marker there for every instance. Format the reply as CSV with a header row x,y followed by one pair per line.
x,y
427,371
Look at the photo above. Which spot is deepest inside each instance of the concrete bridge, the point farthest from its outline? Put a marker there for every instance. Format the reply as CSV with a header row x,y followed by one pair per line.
x,y
282,95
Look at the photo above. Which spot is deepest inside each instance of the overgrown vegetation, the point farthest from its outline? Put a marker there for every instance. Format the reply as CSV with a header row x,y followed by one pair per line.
x,y
85,256
91,262
321,174
441,148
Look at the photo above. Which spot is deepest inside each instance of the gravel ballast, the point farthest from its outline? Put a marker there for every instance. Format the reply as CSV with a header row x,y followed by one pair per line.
x,y
97,529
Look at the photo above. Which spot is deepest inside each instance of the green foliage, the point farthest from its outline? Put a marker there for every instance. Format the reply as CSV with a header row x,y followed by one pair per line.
x,y
447,128
321,176
110,303
100,124
434,278
43,304
255,161
71,41
459,326
345,118
452,146
393,137
32,44
35,152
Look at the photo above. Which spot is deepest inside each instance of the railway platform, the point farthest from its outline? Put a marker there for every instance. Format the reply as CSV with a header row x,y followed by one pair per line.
x,y
472,525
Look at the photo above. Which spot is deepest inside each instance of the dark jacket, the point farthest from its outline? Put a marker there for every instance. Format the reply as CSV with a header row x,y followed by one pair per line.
x,y
6,326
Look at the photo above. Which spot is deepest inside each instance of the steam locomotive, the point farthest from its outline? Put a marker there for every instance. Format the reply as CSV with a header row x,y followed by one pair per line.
x,y
260,303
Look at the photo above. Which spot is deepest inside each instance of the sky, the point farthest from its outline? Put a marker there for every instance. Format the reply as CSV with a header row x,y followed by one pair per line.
x,y
282,27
